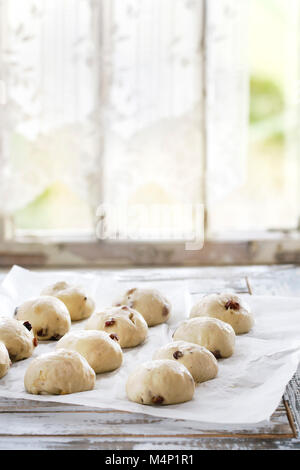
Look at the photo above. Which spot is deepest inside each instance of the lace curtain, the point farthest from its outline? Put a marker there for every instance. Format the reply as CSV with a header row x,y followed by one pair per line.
x,y
227,97
50,122
107,96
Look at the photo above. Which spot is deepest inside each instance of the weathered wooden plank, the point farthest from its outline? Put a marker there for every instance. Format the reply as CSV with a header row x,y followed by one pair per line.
x,y
137,443
284,282
24,406
278,424
292,399
203,272
50,252
115,423
168,273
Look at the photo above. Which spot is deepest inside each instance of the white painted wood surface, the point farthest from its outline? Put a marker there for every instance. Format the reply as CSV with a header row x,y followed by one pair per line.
x,y
35,425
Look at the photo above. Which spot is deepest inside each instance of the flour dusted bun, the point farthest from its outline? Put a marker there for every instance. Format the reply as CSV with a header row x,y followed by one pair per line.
x,y
126,323
226,307
102,352
4,360
215,335
80,306
48,316
59,373
160,382
150,303
200,362
17,337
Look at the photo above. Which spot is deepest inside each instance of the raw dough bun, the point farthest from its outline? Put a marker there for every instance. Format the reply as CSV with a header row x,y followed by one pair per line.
x,y
48,316
160,382
80,306
199,361
102,352
18,338
125,322
4,360
215,335
59,373
226,307
150,303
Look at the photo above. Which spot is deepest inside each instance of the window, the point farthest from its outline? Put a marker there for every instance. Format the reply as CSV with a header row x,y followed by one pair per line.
x,y
105,100
50,93
149,102
265,194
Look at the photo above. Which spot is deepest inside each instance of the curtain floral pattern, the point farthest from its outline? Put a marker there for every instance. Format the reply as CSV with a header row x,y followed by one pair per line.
x,y
107,97
77,71
49,125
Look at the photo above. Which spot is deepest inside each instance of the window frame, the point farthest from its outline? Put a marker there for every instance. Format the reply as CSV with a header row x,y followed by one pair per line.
x,y
258,248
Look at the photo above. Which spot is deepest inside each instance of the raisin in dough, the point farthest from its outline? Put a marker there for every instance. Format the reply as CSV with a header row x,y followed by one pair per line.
x,y
126,323
226,307
80,306
150,303
59,373
48,316
17,337
161,382
215,335
101,350
4,360
200,362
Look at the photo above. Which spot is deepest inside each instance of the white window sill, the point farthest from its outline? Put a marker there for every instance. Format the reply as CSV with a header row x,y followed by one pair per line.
x,y
85,250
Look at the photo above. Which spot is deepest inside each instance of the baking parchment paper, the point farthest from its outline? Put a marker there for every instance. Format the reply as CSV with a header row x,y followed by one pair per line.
x,y
249,385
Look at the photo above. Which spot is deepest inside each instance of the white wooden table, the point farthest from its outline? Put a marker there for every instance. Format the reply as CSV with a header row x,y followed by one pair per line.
x,y
35,425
